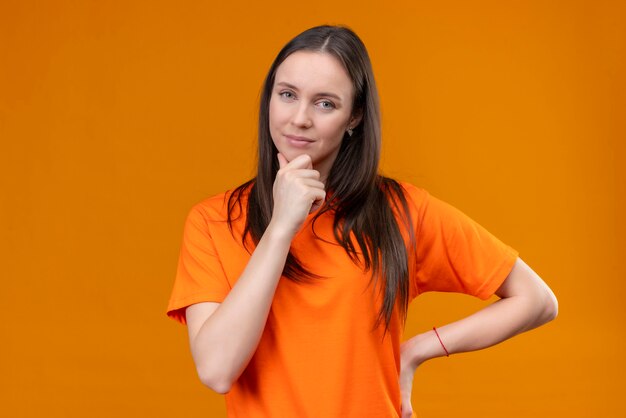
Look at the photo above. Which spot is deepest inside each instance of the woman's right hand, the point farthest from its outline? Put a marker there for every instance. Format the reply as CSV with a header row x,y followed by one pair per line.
x,y
298,192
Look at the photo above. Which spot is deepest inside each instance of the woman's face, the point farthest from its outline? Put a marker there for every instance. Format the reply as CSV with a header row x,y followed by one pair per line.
x,y
311,108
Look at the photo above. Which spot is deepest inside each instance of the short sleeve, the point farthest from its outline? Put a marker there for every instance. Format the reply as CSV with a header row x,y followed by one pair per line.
x,y
199,275
456,254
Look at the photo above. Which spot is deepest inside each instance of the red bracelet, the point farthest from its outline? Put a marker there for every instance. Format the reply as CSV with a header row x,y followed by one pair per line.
x,y
439,338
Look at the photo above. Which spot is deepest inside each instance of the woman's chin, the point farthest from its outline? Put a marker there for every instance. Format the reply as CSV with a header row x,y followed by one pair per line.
x,y
291,154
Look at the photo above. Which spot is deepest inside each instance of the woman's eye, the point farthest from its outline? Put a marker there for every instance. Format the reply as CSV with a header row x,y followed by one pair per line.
x,y
327,105
286,94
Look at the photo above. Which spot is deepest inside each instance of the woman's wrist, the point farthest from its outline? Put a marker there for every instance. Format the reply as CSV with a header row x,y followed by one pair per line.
x,y
421,348
277,232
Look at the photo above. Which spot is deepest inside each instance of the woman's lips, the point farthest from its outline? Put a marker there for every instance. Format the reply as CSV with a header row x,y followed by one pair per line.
x,y
299,141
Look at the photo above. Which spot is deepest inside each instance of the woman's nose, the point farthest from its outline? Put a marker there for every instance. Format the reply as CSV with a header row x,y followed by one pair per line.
x,y
301,117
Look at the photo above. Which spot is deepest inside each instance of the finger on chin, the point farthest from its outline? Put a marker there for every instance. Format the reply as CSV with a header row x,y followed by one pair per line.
x,y
303,161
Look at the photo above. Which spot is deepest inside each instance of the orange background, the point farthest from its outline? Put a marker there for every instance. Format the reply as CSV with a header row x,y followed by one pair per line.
x,y
116,117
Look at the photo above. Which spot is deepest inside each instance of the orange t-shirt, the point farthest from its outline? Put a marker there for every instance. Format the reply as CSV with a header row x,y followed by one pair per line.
x,y
319,355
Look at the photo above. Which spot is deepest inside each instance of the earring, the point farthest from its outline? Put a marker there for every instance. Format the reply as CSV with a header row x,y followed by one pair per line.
x,y
350,131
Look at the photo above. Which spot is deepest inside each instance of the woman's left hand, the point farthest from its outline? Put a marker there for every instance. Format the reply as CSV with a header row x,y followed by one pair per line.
x,y
407,371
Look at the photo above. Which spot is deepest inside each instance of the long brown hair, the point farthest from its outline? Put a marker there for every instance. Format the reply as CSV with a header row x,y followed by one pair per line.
x,y
363,201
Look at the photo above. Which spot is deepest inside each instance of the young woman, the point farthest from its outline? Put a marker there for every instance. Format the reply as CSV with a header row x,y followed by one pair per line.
x,y
295,285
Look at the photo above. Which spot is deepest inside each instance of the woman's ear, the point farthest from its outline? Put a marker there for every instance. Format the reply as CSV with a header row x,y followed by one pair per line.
x,y
355,119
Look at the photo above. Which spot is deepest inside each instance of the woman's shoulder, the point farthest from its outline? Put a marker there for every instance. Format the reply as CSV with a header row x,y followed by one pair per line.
x,y
412,193
218,206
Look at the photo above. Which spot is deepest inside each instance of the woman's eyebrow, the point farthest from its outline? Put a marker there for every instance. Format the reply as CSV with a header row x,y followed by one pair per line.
x,y
325,94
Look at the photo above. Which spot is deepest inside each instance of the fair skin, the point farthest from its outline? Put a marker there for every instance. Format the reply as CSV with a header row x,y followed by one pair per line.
x,y
310,110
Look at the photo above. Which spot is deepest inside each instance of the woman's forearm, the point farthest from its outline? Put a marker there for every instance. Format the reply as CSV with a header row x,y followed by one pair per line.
x,y
487,327
527,303
228,338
